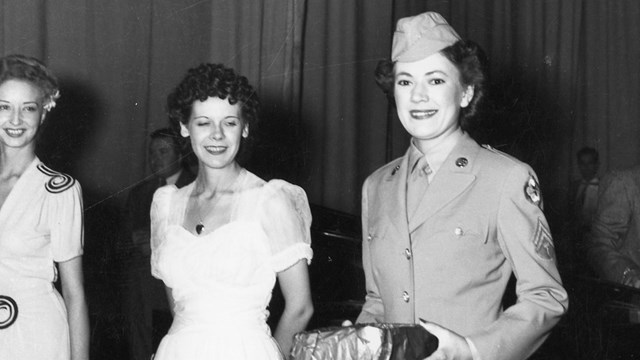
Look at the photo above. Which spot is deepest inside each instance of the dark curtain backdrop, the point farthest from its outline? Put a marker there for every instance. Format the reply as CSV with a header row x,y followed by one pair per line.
x,y
564,74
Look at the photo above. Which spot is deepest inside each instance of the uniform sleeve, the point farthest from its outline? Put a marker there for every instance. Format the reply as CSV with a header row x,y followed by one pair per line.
x,y
609,228
372,310
159,215
67,231
525,240
286,220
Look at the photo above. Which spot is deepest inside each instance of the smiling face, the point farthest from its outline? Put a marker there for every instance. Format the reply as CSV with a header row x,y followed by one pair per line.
x,y
21,113
428,96
216,129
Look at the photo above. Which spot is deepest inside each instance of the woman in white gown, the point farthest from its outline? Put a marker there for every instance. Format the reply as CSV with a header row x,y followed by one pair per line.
x,y
220,243
40,228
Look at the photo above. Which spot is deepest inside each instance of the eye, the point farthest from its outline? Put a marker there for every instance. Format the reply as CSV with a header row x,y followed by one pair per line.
x,y
436,81
231,123
31,108
4,107
403,82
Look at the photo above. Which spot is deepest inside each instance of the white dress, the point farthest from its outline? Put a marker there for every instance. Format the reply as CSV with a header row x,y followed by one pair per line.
x,y
40,224
222,281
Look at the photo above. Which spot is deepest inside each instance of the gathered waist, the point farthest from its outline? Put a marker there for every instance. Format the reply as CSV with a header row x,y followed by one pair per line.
x,y
211,316
23,289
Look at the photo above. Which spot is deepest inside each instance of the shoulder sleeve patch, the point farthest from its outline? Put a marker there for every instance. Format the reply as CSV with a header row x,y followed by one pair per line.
x,y
532,191
543,243
58,182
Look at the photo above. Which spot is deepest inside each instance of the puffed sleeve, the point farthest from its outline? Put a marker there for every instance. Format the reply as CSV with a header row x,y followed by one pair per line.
x,y
526,242
66,223
610,225
286,219
159,217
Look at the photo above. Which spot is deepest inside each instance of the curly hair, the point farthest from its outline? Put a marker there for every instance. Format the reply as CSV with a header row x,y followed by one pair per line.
x,y
470,61
32,70
212,80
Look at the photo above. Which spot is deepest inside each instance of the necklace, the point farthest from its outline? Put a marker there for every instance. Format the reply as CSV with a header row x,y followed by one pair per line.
x,y
200,225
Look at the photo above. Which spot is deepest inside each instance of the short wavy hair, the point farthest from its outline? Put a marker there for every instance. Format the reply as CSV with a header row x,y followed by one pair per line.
x,y
212,80
470,61
32,70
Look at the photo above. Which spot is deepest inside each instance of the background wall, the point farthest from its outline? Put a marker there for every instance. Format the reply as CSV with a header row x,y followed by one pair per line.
x,y
564,74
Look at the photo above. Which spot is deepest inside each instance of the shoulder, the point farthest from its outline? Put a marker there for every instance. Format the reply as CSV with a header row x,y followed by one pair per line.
x,y
500,160
164,193
629,178
282,189
56,182
389,169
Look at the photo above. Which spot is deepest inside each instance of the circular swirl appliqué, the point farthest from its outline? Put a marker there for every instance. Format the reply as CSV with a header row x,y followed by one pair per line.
x,y
8,311
59,182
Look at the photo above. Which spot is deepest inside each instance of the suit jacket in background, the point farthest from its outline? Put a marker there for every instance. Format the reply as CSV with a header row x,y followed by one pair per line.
x,y
479,220
614,241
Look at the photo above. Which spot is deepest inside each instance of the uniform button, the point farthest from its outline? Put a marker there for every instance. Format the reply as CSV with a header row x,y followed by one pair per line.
x,y
458,231
405,296
462,162
407,253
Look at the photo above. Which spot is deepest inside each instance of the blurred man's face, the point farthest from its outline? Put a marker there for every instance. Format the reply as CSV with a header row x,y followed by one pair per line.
x,y
588,166
164,157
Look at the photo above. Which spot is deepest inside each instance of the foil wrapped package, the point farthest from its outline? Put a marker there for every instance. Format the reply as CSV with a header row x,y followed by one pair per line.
x,y
379,341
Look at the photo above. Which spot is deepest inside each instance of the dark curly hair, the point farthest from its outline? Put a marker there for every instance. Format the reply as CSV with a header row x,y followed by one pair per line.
x,y
214,80
32,70
471,62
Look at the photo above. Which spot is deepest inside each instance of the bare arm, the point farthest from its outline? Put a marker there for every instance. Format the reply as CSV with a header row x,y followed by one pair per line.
x,y
170,299
72,280
294,283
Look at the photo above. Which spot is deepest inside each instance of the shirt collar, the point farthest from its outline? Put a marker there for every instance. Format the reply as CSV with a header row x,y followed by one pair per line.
x,y
173,178
436,155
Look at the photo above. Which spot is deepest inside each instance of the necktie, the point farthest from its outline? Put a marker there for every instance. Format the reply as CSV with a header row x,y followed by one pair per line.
x,y
417,184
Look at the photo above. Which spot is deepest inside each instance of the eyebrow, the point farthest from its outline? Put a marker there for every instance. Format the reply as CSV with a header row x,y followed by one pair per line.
x,y
427,73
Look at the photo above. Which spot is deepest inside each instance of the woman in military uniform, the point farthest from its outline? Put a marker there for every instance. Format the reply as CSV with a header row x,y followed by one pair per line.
x,y
40,228
447,224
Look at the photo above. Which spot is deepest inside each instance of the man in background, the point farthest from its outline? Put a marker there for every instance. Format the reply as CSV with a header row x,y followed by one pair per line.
x,y
583,201
613,245
145,294
584,195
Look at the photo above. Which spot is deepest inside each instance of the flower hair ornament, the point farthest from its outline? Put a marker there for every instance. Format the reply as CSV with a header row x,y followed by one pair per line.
x,y
51,101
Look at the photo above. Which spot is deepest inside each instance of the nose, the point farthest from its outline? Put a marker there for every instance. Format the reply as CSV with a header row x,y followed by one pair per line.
x,y
217,132
419,93
15,118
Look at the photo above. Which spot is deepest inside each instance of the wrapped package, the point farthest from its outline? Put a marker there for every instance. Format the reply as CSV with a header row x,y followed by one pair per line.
x,y
365,342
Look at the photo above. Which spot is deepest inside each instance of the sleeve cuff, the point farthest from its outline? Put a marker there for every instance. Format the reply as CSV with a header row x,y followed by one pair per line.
x,y
474,351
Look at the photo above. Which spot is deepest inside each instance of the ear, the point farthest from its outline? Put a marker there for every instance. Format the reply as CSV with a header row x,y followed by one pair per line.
x,y
467,96
183,130
245,131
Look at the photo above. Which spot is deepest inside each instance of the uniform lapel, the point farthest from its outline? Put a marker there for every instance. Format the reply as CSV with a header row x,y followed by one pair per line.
x,y
454,177
393,193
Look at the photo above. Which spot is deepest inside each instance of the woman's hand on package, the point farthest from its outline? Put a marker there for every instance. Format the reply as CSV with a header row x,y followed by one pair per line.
x,y
451,346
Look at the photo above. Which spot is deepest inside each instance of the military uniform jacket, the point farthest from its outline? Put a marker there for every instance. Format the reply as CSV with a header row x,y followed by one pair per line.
x,y
614,242
479,220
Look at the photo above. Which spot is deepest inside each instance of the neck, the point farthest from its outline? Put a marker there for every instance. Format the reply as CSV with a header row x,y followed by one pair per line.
x,y
15,161
211,181
447,140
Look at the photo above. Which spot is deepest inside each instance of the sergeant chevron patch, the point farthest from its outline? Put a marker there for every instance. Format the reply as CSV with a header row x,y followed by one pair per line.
x,y
543,243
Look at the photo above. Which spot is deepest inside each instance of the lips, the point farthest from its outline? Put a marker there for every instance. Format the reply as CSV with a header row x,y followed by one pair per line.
x,y
15,132
215,150
422,114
